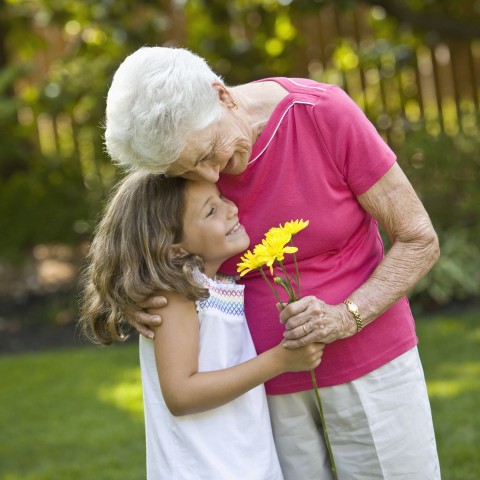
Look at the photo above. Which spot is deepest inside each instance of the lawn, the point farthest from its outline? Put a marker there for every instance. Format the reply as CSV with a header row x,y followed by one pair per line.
x,y
72,414
450,352
77,413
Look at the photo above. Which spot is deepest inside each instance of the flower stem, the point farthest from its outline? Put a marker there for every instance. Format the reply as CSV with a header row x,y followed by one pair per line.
x,y
296,270
292,295
281,281
270,285
325,432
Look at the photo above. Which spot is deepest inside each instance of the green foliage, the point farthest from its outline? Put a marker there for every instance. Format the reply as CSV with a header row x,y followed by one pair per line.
x,y
56,63
456,274
48,202
53,170
445,171
243,41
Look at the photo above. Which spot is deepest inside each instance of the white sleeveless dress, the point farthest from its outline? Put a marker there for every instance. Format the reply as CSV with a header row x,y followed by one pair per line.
x,y
231,442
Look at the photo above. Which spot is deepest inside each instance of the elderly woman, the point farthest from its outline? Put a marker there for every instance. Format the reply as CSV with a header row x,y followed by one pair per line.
x,y
285,148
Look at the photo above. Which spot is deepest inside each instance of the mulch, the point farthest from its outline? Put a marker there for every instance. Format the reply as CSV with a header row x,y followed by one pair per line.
x,y
39,299
38,323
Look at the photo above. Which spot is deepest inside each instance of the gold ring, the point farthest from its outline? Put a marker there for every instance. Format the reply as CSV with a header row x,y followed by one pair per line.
x,y
304,329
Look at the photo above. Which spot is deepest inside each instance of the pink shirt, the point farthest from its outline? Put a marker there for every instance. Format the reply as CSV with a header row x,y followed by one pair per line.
x,y
315,155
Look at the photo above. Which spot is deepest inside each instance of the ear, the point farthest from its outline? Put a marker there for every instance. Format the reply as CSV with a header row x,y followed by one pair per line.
x,y
224,95
177,250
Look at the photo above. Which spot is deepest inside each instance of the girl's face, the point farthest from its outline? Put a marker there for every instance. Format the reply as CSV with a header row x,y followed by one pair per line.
x,y
211,226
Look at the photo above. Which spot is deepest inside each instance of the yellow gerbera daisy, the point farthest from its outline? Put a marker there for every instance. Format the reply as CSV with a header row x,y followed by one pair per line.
x,y
274,247
295,226
274,231
250,261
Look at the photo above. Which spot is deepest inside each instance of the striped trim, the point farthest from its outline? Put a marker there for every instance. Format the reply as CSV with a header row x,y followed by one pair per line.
x,y
228,302
225,295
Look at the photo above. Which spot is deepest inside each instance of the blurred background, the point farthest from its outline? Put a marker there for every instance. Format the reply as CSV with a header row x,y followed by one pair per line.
x,y
413,66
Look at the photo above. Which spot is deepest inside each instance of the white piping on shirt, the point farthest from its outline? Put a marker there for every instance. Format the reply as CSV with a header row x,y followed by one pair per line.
x,y
277,127
306,86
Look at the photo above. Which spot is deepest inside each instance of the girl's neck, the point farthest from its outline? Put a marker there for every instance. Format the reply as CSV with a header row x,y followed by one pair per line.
x,y
211,270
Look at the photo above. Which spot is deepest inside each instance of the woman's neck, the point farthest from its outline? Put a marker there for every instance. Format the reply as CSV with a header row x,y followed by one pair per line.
x,y
258,100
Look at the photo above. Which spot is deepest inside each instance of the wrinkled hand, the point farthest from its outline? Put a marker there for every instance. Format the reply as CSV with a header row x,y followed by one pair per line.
x,y
141,320
311,320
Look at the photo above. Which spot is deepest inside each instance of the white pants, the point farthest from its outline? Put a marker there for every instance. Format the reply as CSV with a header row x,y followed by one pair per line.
x,y
380,427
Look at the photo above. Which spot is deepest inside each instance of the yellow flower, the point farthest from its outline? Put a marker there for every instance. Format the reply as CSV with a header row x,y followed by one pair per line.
x,y
275,233
261,254
295,226
250,261
274,247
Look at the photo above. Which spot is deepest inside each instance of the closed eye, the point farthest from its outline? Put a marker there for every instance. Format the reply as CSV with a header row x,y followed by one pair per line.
x,y
204,158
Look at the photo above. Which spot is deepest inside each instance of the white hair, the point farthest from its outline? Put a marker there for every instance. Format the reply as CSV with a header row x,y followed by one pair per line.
x,y
157,97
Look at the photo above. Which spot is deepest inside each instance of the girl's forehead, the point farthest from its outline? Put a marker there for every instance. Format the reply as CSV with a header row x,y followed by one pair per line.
x,y
199,196
200,188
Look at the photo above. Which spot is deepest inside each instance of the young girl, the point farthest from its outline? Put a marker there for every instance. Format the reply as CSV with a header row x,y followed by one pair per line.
x,y
205,407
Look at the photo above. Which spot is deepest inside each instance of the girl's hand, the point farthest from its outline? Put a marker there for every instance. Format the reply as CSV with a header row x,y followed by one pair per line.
x,y
301,359
144,316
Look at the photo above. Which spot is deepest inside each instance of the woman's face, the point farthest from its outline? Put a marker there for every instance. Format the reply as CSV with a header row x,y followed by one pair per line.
x,y
211,226
224,146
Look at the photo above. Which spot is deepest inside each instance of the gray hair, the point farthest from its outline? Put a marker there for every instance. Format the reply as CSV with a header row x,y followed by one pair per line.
x,y
157,97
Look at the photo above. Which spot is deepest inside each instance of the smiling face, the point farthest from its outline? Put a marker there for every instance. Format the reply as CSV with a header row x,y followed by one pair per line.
x,y
225,146
211,226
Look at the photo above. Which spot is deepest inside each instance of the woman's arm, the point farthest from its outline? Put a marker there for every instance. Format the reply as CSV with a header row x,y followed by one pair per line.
x,y
415,249
395,205
185,390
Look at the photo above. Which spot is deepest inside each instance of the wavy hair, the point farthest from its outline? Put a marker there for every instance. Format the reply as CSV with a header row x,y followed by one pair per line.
x,y
158,96
131,255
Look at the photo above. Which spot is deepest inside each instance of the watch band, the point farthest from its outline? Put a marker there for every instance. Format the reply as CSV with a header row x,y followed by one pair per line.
x,y
353,309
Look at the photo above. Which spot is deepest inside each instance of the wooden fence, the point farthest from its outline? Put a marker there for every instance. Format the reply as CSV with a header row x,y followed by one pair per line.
x,y
422,84
425,83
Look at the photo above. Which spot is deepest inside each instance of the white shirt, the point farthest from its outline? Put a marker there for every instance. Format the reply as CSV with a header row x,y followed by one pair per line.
x,y
230,442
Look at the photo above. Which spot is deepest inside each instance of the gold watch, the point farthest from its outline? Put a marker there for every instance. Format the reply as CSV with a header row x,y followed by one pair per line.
x,y
353,309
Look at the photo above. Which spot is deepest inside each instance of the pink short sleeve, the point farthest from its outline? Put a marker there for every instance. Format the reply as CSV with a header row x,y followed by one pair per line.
x,y
354,145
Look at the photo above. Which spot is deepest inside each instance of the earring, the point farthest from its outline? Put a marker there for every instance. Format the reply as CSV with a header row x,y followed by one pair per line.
x,y
234,106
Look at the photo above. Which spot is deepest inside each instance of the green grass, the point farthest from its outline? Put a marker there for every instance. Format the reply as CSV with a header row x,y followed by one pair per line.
x,y
72,414
450,351
77,413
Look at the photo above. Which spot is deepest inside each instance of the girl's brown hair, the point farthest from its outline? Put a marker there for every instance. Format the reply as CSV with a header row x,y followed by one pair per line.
x,y
131,255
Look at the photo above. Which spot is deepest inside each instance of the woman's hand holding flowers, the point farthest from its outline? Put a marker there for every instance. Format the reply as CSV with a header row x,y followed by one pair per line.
x,y
307,320
324,323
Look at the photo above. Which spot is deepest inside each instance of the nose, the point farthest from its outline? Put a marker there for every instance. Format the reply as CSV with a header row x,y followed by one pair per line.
x,y
211,173
232,209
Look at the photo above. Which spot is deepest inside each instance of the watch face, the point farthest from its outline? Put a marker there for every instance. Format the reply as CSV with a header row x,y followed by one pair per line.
x,y
352,307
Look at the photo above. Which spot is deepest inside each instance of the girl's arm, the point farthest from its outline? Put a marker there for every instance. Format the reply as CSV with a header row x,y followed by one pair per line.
x,y
185,389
